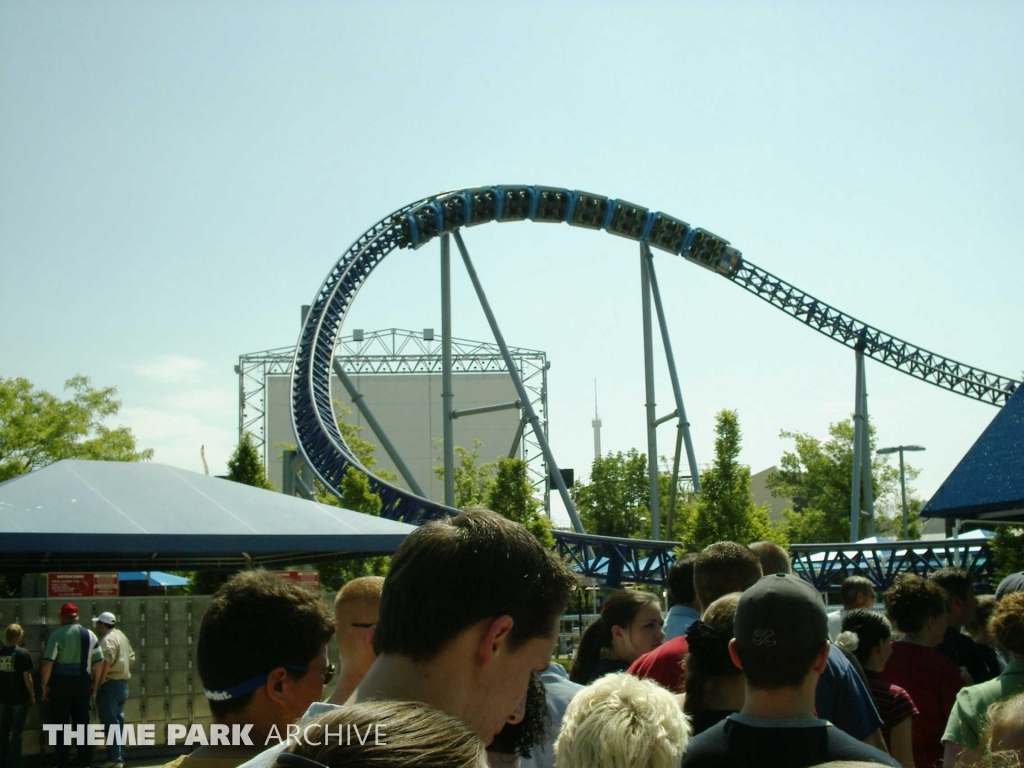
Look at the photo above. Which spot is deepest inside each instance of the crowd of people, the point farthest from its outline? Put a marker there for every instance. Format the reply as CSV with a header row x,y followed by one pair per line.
x,y
447,661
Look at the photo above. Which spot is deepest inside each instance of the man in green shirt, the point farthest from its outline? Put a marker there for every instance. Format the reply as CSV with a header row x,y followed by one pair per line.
x,y
70,671
967,721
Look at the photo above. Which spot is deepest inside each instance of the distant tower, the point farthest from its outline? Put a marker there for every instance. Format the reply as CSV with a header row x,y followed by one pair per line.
x,y
596,424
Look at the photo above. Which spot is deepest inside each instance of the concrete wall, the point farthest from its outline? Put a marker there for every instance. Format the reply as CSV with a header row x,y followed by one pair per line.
x,y
761,495
408,408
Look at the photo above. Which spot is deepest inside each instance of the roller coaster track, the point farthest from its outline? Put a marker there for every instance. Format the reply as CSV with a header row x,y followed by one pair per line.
x,y
412,226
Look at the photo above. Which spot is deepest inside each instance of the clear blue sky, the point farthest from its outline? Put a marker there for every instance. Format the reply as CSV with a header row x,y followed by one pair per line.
x,y
176,179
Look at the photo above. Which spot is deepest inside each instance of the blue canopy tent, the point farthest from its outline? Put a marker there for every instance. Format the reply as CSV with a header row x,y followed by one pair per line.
x,y
988,483
99,515
156,578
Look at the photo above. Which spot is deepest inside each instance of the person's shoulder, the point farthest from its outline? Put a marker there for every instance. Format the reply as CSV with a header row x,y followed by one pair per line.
x,y
842,746
982,694
709,748
670,649
838,662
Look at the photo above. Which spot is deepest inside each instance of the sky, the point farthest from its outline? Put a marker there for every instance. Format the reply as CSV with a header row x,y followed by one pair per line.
x,y
177,179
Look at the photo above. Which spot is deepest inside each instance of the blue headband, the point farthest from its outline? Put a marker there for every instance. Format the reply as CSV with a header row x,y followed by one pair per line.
x,y
243,689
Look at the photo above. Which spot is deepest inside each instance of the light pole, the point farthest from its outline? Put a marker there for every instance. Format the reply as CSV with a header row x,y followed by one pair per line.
x,y
903,479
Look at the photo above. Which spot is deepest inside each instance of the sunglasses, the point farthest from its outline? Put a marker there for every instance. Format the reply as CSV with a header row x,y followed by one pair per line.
x,y
326,674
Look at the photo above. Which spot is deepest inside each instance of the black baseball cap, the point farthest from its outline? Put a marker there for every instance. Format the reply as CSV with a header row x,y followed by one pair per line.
x,y
780,614
1012,583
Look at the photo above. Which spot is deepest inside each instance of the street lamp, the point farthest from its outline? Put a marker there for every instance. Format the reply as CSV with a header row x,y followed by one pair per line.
x,y
903,480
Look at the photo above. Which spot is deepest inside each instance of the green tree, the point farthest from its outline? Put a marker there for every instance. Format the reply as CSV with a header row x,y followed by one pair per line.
x,y
1007,551
816,477
616,500
725,510
472,480
511,495
889,516
245,465
37,428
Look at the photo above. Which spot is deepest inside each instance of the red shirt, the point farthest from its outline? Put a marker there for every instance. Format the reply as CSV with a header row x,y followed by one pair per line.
x,y
894,705
664,665
932,681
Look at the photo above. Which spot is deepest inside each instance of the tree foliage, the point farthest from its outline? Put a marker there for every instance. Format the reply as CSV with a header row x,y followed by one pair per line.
x,y
37,428
816,477
502,486
511,495
725,510
472,479
616,499
1007,551
245,465
615,502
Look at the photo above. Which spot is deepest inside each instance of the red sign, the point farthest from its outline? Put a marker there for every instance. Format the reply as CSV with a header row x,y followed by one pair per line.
x,y
308,579
81,585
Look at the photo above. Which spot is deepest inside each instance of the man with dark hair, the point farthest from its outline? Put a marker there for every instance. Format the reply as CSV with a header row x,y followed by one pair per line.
x,y
69,674
961,607
684,609
469,610
855,592
1012,583
262,657
721,568
774,559
781,644
842,696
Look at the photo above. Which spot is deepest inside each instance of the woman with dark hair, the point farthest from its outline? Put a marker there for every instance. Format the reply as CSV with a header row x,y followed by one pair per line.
x,y
866,634
525,730
917,608
629,626
715,687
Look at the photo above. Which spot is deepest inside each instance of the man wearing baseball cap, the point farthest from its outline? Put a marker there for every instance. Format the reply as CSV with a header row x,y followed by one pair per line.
x,y
112,691
1012,583
781,644
70,672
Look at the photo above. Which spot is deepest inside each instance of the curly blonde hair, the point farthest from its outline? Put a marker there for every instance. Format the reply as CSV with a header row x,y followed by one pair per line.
x,y
622,722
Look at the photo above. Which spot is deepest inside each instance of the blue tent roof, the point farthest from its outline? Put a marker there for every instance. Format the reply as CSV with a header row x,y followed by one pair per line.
x,y
988,483
138,516
156,578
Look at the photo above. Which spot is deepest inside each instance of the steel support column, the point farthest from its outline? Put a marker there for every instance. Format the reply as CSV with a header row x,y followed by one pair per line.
x,y
867,492
448,433
903,495
652,427
858,444
538,428
683,426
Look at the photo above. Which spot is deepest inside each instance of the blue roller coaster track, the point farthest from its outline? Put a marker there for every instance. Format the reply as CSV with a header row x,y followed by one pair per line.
x,y
412,226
